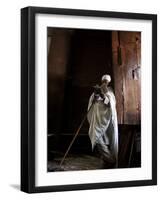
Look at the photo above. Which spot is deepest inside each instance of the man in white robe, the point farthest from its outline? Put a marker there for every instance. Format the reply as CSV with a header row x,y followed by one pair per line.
x,y
103,127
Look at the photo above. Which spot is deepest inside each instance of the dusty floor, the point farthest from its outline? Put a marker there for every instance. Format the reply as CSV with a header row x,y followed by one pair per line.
x,y
75,162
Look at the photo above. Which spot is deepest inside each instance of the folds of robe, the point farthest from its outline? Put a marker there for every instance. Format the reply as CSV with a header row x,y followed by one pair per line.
x,y
102,118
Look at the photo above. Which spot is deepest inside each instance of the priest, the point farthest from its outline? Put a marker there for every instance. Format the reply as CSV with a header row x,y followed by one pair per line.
x,y
103,127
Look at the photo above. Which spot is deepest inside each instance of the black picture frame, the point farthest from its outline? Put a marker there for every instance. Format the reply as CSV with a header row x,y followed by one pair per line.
x,y
28,98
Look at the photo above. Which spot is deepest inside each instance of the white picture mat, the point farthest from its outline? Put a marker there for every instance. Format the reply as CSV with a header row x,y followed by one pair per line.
x,y
44,178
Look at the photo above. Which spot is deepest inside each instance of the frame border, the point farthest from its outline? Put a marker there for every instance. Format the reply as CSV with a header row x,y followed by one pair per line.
x,y
28,98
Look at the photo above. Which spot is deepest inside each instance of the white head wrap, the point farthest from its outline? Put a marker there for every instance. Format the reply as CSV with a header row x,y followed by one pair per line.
x,y
106,77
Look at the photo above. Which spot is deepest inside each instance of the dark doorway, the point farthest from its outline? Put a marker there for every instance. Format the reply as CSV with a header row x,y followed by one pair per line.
x,y
90,58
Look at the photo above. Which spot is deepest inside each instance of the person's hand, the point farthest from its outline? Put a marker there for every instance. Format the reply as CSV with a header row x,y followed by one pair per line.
x,y
95,99
99,93
102,96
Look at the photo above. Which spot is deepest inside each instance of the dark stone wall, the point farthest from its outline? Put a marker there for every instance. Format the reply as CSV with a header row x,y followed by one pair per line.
x,y
58,57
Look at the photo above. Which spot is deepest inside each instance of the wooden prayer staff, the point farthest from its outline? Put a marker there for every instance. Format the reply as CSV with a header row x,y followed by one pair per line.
x,y
77,132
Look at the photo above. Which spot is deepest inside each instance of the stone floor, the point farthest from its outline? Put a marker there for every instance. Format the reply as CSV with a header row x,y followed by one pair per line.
x,y
75,162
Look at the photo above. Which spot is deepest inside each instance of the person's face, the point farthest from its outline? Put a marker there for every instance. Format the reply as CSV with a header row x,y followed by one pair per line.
x,y
106,82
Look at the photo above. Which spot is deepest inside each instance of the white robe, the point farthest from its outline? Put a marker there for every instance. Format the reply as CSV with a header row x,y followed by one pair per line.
x,y
102,120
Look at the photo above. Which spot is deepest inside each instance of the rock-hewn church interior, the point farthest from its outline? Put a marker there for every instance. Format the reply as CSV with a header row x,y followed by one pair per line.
x,y
77,59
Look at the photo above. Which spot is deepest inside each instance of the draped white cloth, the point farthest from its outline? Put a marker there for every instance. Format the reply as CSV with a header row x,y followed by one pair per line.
x,y
102,119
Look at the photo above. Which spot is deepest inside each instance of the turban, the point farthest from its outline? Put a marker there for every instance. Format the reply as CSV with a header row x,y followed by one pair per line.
x,y
106,77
